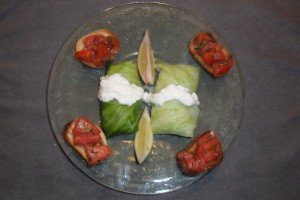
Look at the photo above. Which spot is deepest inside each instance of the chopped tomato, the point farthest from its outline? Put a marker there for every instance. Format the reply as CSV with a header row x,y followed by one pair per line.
x,y
203,154
89,41
97,153
88,140
98,49
84,54
219,68
209,53
98,61
202,37
100,40
218,55
102,52
85,132
208,58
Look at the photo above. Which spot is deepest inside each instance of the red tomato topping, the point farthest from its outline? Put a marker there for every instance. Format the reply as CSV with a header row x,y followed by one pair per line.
x,y
85,132
203,37
97,153
98,49
208,58
202,155
89,41
84,54
88,135
210,54
218,55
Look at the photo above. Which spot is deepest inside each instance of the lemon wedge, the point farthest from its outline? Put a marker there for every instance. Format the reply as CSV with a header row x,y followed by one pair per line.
x,y
146,63
143,138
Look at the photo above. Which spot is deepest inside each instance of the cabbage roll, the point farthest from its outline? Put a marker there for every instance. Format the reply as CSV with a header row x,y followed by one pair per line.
x,y
180,74
115,117
174,117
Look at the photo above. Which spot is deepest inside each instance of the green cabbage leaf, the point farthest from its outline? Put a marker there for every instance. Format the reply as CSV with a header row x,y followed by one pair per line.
x,y
179,74
117,118
120,119
174,117
128,70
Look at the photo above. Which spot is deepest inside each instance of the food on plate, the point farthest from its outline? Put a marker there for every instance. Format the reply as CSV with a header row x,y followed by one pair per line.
x,y
146,63
170,93
201,155
118,118
88,140
174,117
207,51
128,70
143,137
96,48
179,74
116,87
122,96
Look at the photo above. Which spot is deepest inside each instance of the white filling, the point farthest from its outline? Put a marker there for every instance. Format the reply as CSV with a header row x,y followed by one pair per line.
x,y
173,92
116,87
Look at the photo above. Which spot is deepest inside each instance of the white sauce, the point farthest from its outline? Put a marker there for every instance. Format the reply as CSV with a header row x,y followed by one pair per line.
x,y
116,87
173,92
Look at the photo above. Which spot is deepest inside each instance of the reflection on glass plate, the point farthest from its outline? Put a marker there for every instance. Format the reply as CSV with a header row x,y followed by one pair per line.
x,y
73,88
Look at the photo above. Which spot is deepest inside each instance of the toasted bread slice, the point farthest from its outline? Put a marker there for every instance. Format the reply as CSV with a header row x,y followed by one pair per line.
x,y
100,32
199,58
80,148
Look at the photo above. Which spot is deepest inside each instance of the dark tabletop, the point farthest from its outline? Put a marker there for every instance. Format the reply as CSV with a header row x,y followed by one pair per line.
x,y
264,159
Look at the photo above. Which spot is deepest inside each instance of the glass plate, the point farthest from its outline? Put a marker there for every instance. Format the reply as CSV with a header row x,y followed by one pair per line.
x,y
72,91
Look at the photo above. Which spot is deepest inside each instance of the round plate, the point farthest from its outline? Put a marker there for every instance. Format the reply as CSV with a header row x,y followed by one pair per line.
x,y
72,91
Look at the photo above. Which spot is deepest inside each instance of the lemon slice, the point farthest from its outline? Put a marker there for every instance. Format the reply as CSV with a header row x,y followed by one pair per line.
x,y
146,63
143,138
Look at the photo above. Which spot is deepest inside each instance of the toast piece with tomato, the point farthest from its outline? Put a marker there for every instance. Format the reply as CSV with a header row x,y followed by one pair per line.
x,y
88,140
202,155
96,48
211,54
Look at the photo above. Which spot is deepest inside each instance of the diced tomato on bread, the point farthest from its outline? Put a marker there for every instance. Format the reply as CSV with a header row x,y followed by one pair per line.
x,y
211,54
96,48
203,154
88,140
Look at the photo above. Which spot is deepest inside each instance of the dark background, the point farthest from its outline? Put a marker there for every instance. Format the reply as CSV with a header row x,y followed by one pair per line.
x,y
263,161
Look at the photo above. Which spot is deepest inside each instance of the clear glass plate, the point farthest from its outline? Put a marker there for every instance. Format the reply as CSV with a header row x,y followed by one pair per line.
x,y
72,91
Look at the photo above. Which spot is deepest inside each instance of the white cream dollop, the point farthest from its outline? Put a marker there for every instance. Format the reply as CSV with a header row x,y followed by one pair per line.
x,y
116,87
172,92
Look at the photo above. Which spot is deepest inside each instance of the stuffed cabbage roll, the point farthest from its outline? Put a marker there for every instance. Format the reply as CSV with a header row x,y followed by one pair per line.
x,y
174,117
115,117
180,74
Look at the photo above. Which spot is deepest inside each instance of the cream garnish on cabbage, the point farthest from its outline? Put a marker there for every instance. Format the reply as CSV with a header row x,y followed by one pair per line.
x,y
173,92
116,87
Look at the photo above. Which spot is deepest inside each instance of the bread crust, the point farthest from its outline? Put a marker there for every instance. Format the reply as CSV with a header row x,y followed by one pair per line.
x,y
80,148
